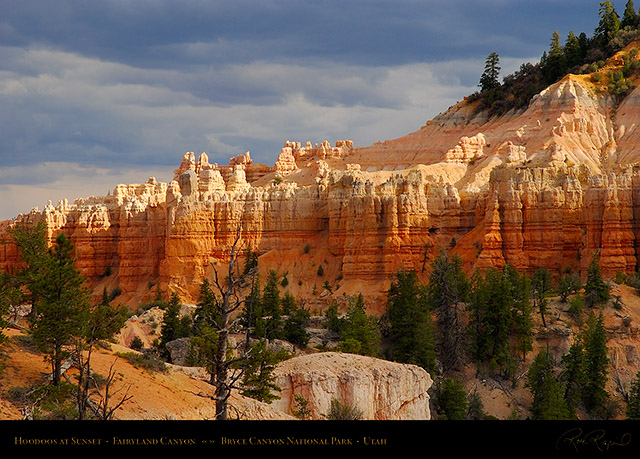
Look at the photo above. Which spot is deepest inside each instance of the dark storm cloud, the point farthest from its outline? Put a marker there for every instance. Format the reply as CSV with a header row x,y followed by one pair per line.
x,y
162,33
92,89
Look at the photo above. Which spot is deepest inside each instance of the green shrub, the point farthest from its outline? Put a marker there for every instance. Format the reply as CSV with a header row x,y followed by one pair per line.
x,y
145,360
343,412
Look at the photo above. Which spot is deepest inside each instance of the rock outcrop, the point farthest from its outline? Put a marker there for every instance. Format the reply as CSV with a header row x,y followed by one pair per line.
x,y
547,186
378,389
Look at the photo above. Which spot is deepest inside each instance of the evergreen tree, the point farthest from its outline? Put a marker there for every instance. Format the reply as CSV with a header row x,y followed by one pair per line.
x,y
206,323
585,43
594,394
573,375
491,320
548,402
522,311
250,261
302,410
609,25
489,78
258,381
360,333
568,284
633,403
253,316
596,290
411,328
572,51
629,17
289,305
31,241
334,321
452,400
228,362
206,307
61,303
475,407
478,328
173,326
295,327
448,286
271,307
541,286
555,64
158,301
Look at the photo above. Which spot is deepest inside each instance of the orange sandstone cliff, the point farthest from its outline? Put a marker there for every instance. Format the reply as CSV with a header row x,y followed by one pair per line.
x,y
547,186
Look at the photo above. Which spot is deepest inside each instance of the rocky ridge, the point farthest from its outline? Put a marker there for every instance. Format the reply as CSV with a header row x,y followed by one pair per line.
x,y
544,187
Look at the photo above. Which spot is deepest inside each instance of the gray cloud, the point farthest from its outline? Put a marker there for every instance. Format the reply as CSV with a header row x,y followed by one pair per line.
x,y
120,86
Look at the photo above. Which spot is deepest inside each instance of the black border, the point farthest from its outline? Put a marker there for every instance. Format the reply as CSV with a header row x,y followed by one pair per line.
x,y
481,438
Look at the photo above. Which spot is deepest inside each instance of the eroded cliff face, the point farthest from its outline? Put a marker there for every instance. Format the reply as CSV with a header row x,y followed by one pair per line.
x,y
544,187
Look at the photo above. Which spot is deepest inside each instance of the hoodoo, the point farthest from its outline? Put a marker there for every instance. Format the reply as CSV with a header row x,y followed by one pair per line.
x,y
547,185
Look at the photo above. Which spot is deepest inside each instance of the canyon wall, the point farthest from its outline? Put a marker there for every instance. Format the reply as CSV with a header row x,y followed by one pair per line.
x,y
547,186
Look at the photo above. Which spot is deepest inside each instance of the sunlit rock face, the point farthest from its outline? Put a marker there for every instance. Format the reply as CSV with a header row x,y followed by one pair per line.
x,y
547,186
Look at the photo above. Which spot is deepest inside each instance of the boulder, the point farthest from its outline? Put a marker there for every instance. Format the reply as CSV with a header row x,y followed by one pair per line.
x,y
379,389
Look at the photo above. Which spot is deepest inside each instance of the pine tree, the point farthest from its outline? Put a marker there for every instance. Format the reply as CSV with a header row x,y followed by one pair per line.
x,y
448,286
61,303
573,375
289,305
541,286
31,241
568,284
360,333
633,403
250,261
452,400
412,335
489,78
572,51
609,25
491,320
555,65
475,407
478,328
205,324
548,402
334,321
522,311
596,289
629,17
594,394
271,307
253,315
295,327
173,327
258,380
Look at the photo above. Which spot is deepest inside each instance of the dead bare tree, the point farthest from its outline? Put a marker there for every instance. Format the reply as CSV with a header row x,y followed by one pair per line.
x,y
103,408
226,361
618,380
101,323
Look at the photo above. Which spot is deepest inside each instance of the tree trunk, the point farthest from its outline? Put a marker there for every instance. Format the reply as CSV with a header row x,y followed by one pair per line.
x,y
221,373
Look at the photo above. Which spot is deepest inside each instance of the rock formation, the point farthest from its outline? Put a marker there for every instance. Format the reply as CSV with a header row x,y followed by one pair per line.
x,y
379,389
546,186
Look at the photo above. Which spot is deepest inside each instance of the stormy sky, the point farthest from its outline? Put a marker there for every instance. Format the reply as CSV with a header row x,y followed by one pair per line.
x,y
97,93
